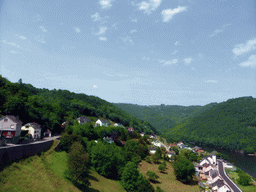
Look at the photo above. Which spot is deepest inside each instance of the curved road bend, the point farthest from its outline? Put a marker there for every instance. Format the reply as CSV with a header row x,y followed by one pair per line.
x,y
231,184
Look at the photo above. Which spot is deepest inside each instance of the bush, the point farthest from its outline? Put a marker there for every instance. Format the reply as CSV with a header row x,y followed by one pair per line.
x,y
162,168
244,179
152,176
148,159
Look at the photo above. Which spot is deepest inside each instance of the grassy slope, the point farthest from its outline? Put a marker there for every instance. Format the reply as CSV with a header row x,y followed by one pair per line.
x,y
168,181
46,173
58,163
33,174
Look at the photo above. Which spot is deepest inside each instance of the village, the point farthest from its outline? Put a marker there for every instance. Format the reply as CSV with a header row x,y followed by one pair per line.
x,y
210,171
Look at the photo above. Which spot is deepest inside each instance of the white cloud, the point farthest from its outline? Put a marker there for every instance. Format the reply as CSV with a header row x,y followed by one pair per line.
x,y
145,58
102,31
193,68
161,60
169,13
96,17
244,48
211,81
149,6
40,39
127,39
174,52
106,4
21,37
188,60
77,29
134,20
12,44
216,32
103,39
42,28
133,31
251,62
95,86
171,62
176,43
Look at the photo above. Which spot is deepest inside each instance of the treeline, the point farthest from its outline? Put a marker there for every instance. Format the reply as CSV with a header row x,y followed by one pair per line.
x,y
229,125
50,108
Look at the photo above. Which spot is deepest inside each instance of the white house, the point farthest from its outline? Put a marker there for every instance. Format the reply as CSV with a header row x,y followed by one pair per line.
x,y
102,122
10,126
34,129
118,125
152,150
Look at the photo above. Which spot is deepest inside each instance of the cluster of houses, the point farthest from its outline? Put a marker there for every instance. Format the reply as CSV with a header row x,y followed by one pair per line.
x,y
207,170
11,126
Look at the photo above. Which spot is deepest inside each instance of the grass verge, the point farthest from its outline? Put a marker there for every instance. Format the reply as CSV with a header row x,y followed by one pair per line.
x,y
234,176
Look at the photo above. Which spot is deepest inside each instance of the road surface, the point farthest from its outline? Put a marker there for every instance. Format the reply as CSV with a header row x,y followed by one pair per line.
x,y
223,174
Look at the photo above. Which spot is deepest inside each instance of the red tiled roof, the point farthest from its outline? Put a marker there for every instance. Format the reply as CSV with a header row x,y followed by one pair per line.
x,y
200,151
172,145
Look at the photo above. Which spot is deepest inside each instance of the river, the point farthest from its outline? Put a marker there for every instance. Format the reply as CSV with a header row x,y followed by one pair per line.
x,y
244,162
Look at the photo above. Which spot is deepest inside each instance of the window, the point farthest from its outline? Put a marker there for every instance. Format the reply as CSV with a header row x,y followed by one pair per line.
x,y
12,126
9,133
5,120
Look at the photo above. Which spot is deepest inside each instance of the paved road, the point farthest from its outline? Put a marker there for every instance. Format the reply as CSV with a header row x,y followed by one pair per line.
x,y
222,172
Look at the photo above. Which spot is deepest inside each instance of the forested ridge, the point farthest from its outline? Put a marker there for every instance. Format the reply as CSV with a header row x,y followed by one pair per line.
x,y
229,125
50,108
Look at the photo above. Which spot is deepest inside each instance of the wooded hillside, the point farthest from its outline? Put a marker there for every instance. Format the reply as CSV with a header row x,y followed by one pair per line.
x,y
229,125
50,108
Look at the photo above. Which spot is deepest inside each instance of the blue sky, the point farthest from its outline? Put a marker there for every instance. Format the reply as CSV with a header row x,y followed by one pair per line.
x,y
178,52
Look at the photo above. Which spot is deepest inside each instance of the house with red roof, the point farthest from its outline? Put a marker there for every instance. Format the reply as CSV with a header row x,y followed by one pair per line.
x,y
130,129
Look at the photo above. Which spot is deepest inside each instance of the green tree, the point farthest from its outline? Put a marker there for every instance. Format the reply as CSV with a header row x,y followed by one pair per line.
x,y
183,169
152,176
108,160
162,167
244,179
192,157
78,164
133,180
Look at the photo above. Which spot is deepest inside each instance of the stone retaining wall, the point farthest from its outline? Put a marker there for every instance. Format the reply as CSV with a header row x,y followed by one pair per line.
x,y
12,153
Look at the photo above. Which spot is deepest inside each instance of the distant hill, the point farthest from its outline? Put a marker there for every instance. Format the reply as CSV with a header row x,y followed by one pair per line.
x,y
162,117
50,108
230,124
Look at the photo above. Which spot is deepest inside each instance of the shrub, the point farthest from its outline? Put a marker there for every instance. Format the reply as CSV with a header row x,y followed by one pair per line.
x,y
152,176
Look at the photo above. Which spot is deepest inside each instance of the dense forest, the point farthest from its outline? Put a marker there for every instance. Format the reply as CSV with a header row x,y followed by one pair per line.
x,y
50,108
229,125
163,117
